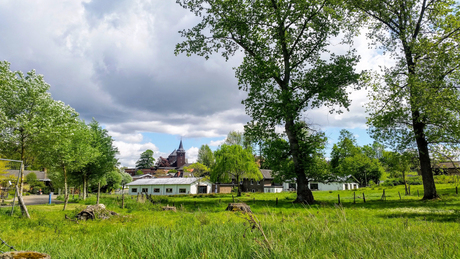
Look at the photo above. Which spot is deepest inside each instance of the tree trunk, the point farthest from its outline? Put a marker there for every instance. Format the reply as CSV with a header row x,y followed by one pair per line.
x,y
239,185
123,197
22,204
66,192
429,186
304,194
98,192
405,182
84,187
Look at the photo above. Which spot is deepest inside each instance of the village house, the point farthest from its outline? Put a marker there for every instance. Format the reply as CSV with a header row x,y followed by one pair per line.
x,y
169,186
339,184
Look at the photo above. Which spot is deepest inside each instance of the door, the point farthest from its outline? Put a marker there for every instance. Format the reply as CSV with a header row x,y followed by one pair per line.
x,y
203,189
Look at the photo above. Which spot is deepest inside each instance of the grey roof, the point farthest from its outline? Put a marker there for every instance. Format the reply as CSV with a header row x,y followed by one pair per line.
x,y
41,175
267,174
174,153
164,181
181,148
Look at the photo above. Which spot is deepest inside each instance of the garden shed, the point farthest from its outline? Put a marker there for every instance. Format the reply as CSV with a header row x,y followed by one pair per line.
x,y
169,186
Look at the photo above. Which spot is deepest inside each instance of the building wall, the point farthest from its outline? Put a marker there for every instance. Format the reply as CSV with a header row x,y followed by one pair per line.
x,y
162,189
150,189
272,189
250,185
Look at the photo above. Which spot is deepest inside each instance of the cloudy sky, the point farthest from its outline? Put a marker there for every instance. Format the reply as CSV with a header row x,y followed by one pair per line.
x,y
114,61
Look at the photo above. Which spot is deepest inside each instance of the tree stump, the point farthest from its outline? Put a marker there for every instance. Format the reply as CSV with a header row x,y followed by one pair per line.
x,y
239,207
24,255
170,208
95,211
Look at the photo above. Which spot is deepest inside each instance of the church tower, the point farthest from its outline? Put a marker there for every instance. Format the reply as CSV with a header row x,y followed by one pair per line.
x,y
180,155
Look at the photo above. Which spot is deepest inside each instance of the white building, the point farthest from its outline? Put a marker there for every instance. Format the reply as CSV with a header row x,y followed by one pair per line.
x,y
342,184
169,186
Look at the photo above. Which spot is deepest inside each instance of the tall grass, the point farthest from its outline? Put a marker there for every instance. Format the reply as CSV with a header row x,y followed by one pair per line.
x,y
201,228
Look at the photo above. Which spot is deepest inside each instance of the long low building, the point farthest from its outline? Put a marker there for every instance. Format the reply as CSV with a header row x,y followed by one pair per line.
x,y
169,186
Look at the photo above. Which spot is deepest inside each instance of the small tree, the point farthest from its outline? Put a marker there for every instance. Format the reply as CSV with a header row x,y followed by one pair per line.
x,y
234,162
139,172
205,156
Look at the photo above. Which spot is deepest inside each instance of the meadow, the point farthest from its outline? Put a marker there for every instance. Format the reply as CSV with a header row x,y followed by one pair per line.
x,y
394,227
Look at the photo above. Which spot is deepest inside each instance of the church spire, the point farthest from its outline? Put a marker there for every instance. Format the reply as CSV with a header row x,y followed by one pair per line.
x,y
181,148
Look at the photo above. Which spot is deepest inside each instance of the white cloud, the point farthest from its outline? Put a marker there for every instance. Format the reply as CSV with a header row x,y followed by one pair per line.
x,y
217,142
192,154
130,152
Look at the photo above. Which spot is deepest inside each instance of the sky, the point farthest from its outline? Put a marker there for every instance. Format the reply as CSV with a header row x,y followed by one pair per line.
x,y
113,60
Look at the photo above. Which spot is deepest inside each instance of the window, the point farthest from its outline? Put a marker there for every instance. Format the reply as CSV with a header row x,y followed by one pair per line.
x,y
157,190
146,190
258,182
314,186
168,190
252,182
182,190
253,190
134,190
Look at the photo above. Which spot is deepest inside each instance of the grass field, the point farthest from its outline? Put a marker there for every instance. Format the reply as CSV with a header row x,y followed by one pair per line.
x,y
201,228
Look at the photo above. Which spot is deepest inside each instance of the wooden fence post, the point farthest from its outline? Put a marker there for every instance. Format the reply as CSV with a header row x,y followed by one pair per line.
x,y
399,195
354,197
276,201
233,197
338,195
364,198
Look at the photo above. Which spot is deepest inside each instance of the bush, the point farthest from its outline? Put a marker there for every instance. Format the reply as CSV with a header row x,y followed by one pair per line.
x,y
415,180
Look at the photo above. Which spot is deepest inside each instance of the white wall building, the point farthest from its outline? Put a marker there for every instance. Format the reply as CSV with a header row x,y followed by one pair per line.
x,y
169,186
331,186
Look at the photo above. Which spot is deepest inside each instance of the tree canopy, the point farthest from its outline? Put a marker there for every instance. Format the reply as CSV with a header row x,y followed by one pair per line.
x,y
416,102
286,69
206,156
146,160
234,163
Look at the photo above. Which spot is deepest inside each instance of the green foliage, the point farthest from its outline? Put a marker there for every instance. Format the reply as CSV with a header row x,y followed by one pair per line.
x,y
146,160
197,169
347,158
234,138
206,156
234,162
278,158
105,162
283,69
25,108
139,172
31,177
416,102
113,180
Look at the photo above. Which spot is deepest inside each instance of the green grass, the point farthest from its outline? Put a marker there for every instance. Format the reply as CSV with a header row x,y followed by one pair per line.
x,y
201,228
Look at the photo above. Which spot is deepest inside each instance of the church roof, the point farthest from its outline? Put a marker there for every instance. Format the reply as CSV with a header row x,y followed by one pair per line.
x,y
181,148
174,153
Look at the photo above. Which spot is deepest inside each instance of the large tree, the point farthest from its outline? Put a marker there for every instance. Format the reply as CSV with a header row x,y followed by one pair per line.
x,y
277,156
67,144
286,67
106,160
24,109
233,163
146,160
416,102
